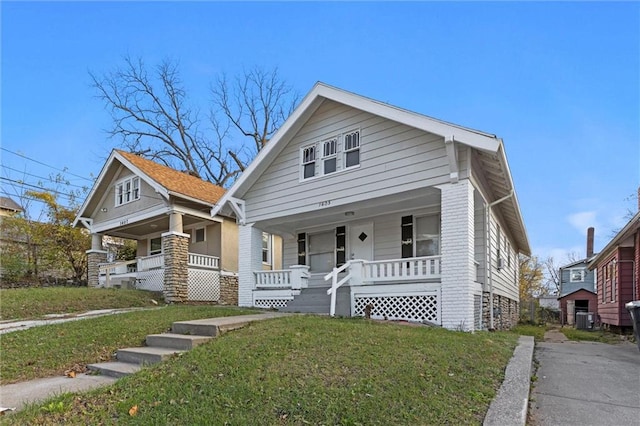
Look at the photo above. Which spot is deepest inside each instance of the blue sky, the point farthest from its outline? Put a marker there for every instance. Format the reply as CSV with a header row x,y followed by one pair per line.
x,y
559,82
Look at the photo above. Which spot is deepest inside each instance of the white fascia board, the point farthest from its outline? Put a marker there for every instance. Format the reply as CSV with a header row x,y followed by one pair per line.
x,y
475,139
96,183
516,204
151,182
187,198
132,218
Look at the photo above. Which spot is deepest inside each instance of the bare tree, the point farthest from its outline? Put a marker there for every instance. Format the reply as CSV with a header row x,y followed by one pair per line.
x,y
152,117
552,269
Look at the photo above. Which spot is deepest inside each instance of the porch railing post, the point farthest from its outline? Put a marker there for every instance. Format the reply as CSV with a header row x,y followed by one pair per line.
x,y
299,275
357,272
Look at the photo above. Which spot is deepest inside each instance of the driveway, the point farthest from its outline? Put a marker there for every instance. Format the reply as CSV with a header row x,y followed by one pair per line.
x,y
585,383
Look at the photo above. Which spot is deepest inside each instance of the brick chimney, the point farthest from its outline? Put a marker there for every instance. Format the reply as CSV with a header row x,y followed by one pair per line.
x,y
590,233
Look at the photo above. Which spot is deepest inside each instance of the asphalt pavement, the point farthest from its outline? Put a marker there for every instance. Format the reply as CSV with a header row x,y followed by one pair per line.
x,y
585,383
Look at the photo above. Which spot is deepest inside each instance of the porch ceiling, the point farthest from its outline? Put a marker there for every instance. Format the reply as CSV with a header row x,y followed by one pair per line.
x,y
404,201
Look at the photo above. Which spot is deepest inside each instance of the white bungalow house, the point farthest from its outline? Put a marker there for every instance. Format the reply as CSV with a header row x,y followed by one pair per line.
x,y
182,250
384,210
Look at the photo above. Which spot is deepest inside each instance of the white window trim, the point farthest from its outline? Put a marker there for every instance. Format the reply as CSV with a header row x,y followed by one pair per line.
x,y
121,184
269,249
577,270
340,155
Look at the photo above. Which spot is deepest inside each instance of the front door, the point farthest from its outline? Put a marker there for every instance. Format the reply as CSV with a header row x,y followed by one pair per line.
x,y
361,241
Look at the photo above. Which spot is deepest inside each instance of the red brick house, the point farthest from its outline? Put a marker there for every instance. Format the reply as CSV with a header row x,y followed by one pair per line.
x,y
618,275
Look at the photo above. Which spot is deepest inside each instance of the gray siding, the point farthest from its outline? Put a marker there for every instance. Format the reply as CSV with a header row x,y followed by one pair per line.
x,y
393,157
567,286
505,281
149,200
480,236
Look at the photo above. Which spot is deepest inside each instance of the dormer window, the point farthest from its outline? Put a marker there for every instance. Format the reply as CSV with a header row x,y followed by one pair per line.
x,y
127,190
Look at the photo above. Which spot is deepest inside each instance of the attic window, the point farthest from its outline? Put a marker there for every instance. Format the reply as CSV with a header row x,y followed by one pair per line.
x,y
352,149
127,190
335,154
576,275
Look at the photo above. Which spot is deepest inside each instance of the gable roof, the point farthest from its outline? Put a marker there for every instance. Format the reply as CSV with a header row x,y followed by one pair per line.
x,y
165,180
174,181
629,229
7,203
488,144
575,291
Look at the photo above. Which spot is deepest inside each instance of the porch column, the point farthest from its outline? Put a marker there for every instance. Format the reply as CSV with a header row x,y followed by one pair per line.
x,y
175,245
458,267
249,260
95,257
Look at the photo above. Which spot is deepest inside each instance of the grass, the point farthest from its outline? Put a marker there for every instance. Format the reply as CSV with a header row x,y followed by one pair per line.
x,y
50,350
537,331
303,370
590,336
30,303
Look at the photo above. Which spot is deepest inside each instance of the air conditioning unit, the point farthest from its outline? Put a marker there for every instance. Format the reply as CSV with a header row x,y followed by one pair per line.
x,y
500,263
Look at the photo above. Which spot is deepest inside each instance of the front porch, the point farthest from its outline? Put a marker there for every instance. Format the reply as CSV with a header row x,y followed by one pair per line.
x,y
397,289
148,273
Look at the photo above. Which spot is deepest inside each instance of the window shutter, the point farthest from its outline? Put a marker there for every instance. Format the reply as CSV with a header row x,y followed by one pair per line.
x,y
302,248
340,246
407,236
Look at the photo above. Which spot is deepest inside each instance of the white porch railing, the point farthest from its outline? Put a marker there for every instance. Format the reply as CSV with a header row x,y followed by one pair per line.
x,y
363,272
146,263
203,261
401,269
295,278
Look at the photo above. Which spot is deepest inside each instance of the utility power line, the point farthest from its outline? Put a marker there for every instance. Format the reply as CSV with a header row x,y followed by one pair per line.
x,y
40,177
44,164
53,191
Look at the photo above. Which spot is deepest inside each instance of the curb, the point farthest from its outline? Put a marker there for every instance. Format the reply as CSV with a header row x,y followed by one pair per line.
x,y
510,405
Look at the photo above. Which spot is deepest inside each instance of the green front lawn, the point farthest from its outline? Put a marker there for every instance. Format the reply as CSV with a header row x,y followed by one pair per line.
x,y
298,370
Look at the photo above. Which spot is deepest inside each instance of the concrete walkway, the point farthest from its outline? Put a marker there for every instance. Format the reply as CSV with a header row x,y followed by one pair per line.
x,y
585,383
10,326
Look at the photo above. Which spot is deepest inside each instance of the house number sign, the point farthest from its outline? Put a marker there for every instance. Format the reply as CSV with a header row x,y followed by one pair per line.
x,y
324,203
124,221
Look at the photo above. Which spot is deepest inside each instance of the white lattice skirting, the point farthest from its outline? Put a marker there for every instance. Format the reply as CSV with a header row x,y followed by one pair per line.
x,y
152,280
270,303
409,307
203,285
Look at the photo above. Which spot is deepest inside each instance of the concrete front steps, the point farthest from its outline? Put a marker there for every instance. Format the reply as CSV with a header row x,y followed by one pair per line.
x,y
184,335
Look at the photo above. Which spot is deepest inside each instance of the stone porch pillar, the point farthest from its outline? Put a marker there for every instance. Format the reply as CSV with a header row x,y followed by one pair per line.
x,y
95,257
458,267
249,260
175,245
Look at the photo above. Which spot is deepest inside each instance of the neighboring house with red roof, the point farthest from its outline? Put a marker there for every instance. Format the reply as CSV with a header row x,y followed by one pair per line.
x,y
181,249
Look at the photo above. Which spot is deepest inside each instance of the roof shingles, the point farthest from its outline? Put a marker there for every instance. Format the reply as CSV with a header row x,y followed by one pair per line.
x,y
176,181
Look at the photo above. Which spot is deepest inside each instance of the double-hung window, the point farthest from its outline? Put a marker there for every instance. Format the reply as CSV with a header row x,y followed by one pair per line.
x,y
576,275
427,235
127,190
321,249
329,155
266,248
352,149
155,246
309,162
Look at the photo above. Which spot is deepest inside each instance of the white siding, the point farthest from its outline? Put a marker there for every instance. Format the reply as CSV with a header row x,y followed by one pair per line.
x,y
505,281
393,158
